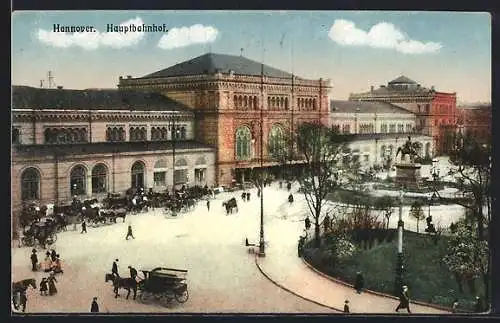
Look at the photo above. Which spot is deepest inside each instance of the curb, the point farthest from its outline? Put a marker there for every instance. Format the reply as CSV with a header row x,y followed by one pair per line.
x,y
290,291
335,280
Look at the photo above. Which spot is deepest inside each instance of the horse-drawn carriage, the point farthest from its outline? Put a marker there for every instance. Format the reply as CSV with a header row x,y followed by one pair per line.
x,y
164,284
43,231
230,205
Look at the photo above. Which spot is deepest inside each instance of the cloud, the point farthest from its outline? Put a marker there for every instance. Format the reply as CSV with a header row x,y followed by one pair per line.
x,y
95,39
381,35
186,36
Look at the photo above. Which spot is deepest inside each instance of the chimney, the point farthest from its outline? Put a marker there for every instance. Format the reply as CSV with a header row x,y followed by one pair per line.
x,y
371,88
59,87
129,76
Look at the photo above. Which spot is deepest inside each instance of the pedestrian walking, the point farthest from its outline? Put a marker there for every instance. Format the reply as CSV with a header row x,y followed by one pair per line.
x,y
23,300
248,196
346,306
53,255
454,306
114,268
307,223
94,308
358,286
129,233
208,205
404,300
34,260
478,307
290,198
84,227
44,290
289,186
52,284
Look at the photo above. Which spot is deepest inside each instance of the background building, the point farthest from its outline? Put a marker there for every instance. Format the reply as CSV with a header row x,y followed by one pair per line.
x,y
436,112
380,128
229,95
90,142
475,121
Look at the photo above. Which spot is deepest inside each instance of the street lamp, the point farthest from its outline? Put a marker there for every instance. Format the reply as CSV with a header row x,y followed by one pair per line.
x,y
400,258
175,133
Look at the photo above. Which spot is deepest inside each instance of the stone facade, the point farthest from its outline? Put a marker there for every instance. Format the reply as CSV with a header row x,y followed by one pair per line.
x,y
223,103
475,121
436,112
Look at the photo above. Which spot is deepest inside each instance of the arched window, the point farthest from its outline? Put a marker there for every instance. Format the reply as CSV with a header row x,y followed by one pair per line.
x,y
83,135
132,134
78,179
235,101
298,104
49,138
276,142
143,133
180,172
183,132
282,102
99,178
391,151
240,101
137,179
164,133
121,132
255,103
268,102
314,104
160,173
383,151
200,170
245,102
30,184
286,103
16,137
109,134
243,140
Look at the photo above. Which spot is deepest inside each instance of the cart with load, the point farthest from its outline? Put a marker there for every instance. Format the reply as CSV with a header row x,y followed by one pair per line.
x,y
164,285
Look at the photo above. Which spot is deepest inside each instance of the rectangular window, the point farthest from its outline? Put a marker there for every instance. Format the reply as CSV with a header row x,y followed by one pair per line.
x,y
160,178
392,128
180,176
199,174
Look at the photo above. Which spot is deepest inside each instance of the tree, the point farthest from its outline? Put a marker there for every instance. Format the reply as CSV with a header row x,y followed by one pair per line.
x,y
471,162
417,212
467,257
386,205
325,166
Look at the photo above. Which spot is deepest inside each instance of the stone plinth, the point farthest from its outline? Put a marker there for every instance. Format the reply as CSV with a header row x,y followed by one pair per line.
x,y
408,174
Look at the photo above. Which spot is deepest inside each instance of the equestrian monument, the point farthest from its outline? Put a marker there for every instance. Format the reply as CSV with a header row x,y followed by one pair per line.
x,y
407,171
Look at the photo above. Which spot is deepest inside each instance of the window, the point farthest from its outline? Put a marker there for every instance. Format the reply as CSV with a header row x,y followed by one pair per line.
x,y
115,134
346,128
99,178
400,128
16,137
30,184
65,135
408,127
160,173
199,174
367,158
78,179
383,128
181,169
243,140
392,128
276,142
383,151
137,171
137,134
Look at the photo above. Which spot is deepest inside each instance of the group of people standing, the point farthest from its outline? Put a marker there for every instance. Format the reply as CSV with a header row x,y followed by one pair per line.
x,y
51,263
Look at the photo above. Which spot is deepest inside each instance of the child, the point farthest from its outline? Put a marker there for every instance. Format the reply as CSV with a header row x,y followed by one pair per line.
x,y
44,290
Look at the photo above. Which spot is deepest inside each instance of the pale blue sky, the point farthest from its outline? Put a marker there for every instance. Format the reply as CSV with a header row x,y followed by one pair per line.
x,y
456,58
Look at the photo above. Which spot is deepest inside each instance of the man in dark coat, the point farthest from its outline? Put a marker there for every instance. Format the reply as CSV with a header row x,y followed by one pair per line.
x,y
404,300
84,227
346,307
248,196
358,286
290,198
94,308
307,223
133,272
478,306
129,233
34,260
114,268
208,205
53,255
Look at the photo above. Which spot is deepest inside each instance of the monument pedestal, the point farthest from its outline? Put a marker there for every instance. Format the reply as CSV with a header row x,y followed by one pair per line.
x,y
408,174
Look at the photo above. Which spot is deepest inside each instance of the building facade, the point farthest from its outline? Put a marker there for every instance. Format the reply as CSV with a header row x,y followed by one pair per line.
x,y
91,142
475,121
379,129
436,112
233,98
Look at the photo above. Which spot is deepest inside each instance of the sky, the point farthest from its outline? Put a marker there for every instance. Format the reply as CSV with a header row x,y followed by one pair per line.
x,y
354,49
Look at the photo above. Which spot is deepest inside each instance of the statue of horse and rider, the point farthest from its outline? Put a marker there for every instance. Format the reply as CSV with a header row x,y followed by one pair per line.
x,y
408,148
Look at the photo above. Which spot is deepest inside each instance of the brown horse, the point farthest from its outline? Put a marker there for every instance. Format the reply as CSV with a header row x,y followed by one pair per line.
x,y
125,283
21,287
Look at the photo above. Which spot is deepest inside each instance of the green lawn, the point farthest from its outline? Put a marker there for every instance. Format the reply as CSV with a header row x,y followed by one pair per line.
x,y
426,275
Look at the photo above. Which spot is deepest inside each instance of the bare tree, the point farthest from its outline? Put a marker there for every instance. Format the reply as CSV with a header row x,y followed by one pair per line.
x,y
325,165
386,205
417,212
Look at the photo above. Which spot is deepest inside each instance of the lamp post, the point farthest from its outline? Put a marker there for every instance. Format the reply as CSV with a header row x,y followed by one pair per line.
x,y
400,258
262,247
175,133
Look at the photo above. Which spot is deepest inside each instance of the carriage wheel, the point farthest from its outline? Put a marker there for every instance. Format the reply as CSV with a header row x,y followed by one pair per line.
x,y
182,297
145,297
167,298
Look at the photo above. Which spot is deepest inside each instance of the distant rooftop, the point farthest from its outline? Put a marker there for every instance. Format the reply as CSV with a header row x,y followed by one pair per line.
x,y
26,97
402,80
337,106
400,85
212,63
